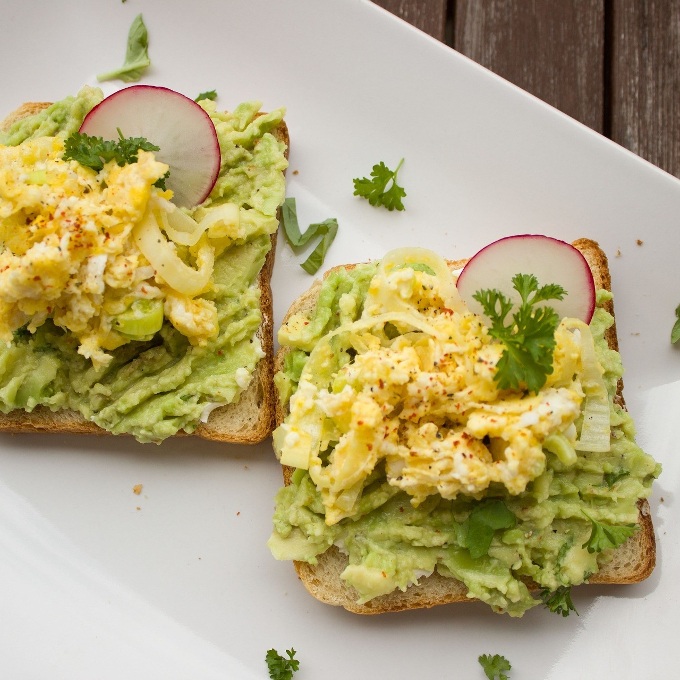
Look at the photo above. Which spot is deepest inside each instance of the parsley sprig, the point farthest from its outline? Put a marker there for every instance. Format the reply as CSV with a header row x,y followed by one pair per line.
x,y
95,152
529,337
558,601
280,667
482,524
375,188
495,666
604,536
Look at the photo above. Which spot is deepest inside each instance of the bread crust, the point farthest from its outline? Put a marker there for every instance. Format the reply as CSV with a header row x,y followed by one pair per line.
x,y
631,563
250,420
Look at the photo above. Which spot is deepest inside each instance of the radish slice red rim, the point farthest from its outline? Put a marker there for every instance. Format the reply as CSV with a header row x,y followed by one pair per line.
x,y
183,131
548,259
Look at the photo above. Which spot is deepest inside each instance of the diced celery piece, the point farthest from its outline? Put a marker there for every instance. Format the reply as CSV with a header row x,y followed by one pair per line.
x,y
141,319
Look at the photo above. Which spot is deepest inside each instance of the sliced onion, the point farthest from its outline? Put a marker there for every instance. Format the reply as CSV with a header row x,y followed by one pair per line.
x,y
219,221
596,429
382,298
166,262
595,433
180,227
222,220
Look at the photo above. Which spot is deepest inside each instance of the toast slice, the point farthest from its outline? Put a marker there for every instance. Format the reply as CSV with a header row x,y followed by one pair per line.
x,y
632,562
246,421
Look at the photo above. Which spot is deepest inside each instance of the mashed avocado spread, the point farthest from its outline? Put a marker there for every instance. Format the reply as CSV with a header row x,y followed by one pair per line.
x,y
407,512
160,382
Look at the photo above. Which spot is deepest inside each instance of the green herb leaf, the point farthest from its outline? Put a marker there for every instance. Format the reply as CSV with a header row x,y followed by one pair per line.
x,y
495,666
327,230
675,333
482,523
210,94
94,152
558,601
529,338
418,267
160,182
604,536
136,57
375,188
280,667
610,478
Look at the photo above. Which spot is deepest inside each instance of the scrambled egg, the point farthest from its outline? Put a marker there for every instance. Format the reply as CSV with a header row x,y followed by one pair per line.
x,y
68,252
410,386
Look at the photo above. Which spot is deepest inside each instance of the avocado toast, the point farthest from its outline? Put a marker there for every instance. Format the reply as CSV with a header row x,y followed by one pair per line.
x,y
388,553
164,384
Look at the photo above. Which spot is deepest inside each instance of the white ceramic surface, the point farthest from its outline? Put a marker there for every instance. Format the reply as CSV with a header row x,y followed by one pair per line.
x,y
97,582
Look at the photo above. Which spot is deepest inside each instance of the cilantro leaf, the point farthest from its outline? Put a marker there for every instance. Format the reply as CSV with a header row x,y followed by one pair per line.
x,y
280,667
482,524
94,152
210,94
136,57
291,228
495,666
529,338
604,536
558,601
375,188
675,333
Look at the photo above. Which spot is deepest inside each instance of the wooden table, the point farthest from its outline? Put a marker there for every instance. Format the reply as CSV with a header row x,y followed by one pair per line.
x,y
613,65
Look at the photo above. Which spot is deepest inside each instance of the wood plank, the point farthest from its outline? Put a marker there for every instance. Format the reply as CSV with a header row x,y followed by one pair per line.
x,y
645,79
551,48
427,15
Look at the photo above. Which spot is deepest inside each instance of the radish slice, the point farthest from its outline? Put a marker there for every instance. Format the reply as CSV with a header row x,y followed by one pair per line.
x,y
548,259
176,124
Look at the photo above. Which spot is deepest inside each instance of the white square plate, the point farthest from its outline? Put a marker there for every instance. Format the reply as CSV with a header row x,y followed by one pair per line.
x,y
177,582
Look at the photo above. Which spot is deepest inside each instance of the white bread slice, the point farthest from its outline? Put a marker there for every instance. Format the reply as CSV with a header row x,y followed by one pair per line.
x,y
247,421
632,562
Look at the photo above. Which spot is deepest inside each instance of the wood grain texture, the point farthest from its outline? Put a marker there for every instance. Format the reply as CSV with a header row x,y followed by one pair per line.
x,y
645,79
614,65
551,48
427,15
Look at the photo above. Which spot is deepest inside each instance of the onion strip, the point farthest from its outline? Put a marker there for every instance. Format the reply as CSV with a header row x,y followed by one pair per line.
x,y
384,297
595,433
219,221
167,264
